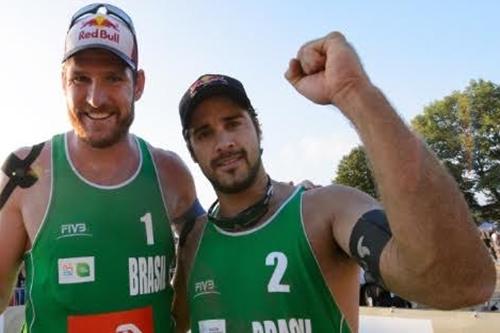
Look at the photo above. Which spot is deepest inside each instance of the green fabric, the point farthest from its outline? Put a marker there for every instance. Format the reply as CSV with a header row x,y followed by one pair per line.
x,y
263,280
108,225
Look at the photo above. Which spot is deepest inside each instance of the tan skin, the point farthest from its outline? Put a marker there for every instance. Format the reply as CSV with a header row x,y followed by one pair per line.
x,y
222,124
97,83
421,199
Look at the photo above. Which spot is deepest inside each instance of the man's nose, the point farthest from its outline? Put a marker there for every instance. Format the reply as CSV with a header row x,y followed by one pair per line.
x,y
96,95
225,141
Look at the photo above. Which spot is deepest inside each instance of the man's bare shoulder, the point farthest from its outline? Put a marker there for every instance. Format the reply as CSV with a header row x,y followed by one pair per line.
x,y
168,160
172,170
337,197
335,208
23,152
26,206
39,168
176,181
321,206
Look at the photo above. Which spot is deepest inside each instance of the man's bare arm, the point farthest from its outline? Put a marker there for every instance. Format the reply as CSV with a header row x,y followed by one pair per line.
x,y
435,241
178,189
13,241
435,245
180,304
185,258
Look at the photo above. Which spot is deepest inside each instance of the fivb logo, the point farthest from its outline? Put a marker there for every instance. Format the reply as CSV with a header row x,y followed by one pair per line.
x,y
76,270
74,230
205,287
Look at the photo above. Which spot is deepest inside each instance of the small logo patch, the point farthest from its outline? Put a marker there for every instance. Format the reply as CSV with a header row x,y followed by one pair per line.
x,y
82,269
212,326
76,270
363,251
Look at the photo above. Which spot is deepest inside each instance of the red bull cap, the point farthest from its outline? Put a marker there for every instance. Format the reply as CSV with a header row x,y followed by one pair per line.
x,y
207,86
102,26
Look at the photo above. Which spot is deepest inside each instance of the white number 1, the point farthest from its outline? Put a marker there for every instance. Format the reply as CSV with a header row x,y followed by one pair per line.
x,y
279,259
148,222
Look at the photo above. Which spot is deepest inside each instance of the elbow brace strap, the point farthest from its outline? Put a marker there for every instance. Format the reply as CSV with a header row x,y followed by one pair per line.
x,y
188,219
19,171
368,238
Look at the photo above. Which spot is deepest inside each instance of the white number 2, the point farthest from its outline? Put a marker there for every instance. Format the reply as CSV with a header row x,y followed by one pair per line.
x,y
279,259
148,223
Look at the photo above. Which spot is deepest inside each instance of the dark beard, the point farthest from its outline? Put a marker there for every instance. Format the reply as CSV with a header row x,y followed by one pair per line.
x,y
119,133
239,186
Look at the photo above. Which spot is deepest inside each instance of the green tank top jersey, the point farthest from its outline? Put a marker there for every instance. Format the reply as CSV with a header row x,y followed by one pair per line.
x,y
264,280
101,259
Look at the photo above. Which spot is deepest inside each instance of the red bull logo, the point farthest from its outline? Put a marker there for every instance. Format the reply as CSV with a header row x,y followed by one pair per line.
x,y
206,80
99,22
100,34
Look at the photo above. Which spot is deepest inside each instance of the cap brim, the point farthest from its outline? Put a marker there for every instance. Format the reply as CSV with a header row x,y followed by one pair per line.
x,y
216,90
116,52
231,92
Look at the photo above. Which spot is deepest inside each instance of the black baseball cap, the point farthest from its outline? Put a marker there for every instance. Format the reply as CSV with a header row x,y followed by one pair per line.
x,y
209,85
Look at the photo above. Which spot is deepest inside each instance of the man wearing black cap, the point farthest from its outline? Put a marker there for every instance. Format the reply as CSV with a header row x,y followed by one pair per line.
x,y
272,258
89,211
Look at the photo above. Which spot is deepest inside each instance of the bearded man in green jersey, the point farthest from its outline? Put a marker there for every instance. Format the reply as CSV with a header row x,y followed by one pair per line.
x,y
272,258
90,210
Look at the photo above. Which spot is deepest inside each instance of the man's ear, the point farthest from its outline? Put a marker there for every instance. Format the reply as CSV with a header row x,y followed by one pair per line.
x,y
140,80
63,78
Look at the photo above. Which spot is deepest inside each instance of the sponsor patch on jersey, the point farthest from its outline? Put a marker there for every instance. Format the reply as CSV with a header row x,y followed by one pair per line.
x,y
74,230
212,326
76,270
131,321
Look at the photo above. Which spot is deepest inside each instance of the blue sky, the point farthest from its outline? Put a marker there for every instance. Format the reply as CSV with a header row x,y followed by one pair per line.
x,y
416,52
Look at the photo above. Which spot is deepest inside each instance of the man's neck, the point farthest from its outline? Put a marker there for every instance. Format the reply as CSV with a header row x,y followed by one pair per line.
x,y
105,166
230,204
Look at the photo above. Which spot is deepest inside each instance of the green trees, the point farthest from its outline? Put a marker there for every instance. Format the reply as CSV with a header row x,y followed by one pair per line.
x,y
463,129
354,171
